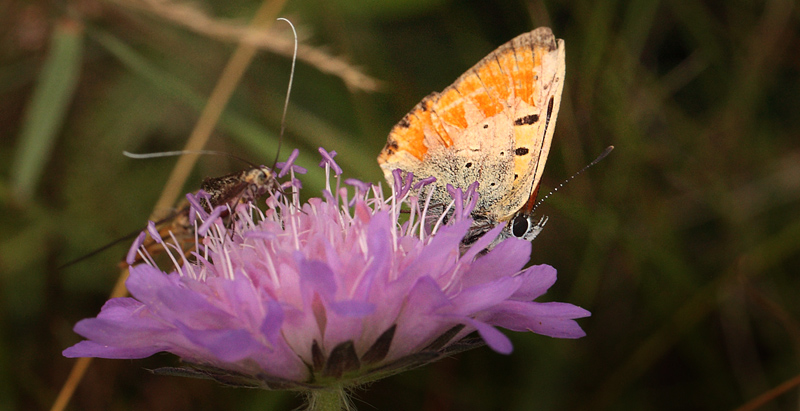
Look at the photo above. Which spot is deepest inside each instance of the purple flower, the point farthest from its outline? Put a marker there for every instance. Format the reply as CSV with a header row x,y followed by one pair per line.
x,y
338,291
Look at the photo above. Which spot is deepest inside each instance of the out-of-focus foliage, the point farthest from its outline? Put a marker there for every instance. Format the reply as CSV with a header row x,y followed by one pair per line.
x,y
683,243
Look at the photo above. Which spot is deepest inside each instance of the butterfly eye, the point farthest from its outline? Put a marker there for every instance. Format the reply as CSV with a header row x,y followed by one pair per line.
x,y
520,225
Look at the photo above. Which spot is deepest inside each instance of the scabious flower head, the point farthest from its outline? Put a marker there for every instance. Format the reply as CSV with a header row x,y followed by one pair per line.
x,y
335,292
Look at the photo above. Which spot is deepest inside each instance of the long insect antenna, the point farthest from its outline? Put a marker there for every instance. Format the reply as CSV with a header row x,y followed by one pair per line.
x,y
98,251
602,155
126,237
288,93
184,152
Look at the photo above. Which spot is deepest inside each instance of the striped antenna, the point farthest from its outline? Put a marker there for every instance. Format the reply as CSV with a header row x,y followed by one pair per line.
x,y
602,155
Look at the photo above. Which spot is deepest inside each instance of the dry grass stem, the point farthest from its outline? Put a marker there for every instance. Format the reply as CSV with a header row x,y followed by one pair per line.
x,y
190,16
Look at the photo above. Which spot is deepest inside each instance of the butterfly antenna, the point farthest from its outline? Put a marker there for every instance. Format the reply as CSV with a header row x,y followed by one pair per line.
x,y
184,152
288,93
602,155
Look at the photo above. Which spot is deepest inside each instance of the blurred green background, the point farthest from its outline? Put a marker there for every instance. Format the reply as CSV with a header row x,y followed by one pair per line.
x,y
683,243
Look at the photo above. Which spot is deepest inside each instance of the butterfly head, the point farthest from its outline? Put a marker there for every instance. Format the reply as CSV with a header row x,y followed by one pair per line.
x,y
524,226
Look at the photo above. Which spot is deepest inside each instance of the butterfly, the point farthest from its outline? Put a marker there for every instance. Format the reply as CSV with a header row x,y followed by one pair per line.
x,y
493,125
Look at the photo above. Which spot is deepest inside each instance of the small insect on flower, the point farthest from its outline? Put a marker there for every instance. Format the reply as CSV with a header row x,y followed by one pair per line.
x,y
226,192
329,294
230,190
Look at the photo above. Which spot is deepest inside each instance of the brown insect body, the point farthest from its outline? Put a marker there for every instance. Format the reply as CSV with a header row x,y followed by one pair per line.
x,y
229,190
238,188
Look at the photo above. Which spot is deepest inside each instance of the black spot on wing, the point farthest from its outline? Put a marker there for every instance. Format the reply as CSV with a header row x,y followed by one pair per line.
x,y
521,151
391,147
529,119
404,122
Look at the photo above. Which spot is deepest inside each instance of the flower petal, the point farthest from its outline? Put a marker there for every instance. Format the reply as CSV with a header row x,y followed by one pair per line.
x,y
536,281
483,296
90,348
418,324
506,259
551,319
493,337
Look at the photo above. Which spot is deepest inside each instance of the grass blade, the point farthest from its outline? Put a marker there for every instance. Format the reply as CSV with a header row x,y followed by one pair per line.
x,y
47,108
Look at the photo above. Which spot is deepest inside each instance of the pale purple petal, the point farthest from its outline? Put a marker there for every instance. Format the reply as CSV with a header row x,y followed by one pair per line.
x,y
130,258
90,348
229,345
483,242
510,255
271,325
317,277
418,324
551,319
288,165
211,219
536,280
153,231
361,185
493,337
327,159
355,309
483,296
424,182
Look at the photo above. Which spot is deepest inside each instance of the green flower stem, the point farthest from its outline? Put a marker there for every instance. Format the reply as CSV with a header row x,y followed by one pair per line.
x,y
327,400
